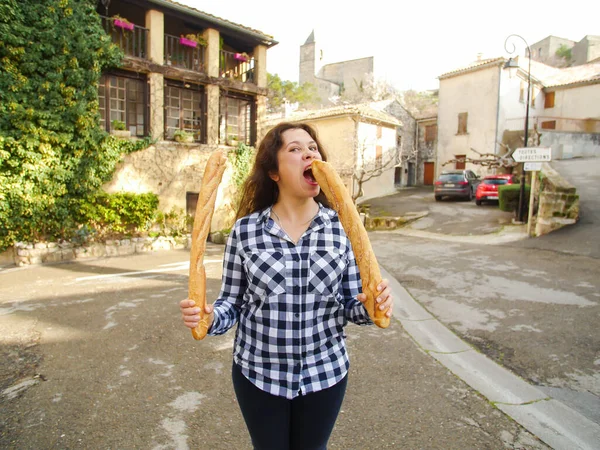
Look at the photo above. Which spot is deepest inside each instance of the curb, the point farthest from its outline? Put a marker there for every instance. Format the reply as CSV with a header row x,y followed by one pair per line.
x,y
551,421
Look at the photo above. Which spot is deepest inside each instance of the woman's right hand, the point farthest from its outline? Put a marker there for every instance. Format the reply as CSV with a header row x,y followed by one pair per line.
x,y
191,313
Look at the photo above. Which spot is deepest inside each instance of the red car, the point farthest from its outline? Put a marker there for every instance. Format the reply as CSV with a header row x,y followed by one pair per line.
x,y
487,190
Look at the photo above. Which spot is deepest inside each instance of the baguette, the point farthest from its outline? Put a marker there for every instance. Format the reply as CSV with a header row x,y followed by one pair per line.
x,y
341,201
213,173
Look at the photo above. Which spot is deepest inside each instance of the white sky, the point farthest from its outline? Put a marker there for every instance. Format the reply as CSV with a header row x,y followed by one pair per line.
x,y
412,42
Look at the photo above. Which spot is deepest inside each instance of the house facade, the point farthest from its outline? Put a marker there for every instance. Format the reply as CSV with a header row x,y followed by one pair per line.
x,y
361,143
184,71
482,110
417,144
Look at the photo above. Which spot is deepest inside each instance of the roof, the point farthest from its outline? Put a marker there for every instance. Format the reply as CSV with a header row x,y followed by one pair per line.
x,y
361,110
548,76
477,65
267,39
554,77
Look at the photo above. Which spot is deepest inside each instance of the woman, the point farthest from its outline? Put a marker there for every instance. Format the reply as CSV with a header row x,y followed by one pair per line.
x,y
291,283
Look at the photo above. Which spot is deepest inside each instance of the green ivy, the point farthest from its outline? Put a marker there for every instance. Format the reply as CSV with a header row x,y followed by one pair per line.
x,y
53,152
122,213
242,163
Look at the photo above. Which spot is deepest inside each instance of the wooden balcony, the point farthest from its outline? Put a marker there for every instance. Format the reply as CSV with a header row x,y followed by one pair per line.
x,y
130,38
184,56
237,66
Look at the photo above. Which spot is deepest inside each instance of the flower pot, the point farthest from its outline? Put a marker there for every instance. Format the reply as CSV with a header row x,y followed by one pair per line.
x,y
185,139
125,25
188,42
240,57
121,133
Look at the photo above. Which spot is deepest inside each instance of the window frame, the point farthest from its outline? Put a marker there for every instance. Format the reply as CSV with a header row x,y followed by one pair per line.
x,y
463,119
430,135
200,90
250,131
105,100
549,99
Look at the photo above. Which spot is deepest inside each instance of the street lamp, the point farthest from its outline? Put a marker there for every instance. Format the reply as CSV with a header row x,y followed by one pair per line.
x,y
512,65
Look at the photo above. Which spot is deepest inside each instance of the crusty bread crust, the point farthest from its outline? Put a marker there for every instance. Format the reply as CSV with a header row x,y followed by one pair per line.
x,y
213,173
341,201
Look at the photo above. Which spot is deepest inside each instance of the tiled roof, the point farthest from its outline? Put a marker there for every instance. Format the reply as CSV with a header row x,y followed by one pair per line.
x,y
554,77
484,63
548,76
360,110
220,19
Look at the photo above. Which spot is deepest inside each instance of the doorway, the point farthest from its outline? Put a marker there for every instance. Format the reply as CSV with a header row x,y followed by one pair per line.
x,y
428,173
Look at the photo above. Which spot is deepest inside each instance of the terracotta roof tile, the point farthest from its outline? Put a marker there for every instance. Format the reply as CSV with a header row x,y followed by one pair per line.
x,y
477,65
361,110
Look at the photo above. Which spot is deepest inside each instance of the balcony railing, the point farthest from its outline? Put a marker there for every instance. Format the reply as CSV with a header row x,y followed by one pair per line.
x,y
133,42
237,66
183,56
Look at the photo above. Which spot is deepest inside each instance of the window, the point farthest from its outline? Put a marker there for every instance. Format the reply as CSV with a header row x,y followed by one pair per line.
x,y
549,125
430,133
549,100
237,119
522,93
460,163
462,123
378,157
184,109
379,132
123,98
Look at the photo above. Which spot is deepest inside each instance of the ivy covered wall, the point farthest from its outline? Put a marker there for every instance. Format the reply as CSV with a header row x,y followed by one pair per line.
x,y
53,154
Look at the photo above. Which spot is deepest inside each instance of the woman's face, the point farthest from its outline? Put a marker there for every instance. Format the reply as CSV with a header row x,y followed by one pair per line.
x,y
294,158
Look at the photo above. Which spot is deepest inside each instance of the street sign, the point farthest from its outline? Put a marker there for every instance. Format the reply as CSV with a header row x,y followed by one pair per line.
x,y
529,167
532,154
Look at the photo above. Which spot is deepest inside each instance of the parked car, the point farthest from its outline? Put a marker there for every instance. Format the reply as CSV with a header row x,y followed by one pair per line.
x,y
456,184
488,188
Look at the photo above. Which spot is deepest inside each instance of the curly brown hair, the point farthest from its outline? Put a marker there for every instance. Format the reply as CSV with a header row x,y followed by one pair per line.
x,y
259,190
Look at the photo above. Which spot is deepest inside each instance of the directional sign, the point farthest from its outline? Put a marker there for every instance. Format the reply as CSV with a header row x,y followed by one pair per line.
x,y
532,154
532,166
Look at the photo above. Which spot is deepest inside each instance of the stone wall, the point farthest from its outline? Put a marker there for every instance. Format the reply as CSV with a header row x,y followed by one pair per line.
x,y
558,203
171,170
24,253
567,145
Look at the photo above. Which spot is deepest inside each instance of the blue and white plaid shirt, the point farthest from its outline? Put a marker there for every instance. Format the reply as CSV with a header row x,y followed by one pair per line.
x,y
292,302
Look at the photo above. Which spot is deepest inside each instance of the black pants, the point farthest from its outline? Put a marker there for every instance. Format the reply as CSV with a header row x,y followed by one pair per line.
x,y
276,423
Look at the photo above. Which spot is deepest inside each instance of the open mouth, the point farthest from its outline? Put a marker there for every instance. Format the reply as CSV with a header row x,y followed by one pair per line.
x,y
308,175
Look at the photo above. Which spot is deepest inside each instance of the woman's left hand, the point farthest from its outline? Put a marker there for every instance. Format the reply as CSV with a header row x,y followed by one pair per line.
x,y
384,300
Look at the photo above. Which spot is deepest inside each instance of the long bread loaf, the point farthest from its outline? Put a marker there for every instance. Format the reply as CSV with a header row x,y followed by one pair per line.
x,y
340,200
213,173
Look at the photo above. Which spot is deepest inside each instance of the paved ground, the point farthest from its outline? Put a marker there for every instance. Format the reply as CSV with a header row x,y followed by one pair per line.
x,y
94,356
447,217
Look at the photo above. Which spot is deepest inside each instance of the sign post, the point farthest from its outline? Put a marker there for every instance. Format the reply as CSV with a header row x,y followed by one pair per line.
x,y
532,159
532,154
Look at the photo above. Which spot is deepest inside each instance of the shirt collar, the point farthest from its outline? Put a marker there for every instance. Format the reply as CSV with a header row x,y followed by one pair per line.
x,y
325,214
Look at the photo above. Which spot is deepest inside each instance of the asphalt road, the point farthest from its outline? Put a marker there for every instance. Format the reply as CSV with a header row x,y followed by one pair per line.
x,y
94,355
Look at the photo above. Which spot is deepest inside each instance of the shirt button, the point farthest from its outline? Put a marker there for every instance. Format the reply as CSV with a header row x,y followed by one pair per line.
x,y
296,315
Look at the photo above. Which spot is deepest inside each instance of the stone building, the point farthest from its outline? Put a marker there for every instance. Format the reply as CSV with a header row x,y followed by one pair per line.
x,y
331,80
585,51
360,141
184,71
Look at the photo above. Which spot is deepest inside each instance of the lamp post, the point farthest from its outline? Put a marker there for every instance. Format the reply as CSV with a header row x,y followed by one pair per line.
x,y
511,64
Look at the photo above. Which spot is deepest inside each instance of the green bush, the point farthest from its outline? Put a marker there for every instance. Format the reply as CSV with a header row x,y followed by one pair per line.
x,y
508,197
117,214
174,223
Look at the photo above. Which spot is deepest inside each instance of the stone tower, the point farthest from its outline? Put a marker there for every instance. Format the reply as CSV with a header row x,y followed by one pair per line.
x,y
310,56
